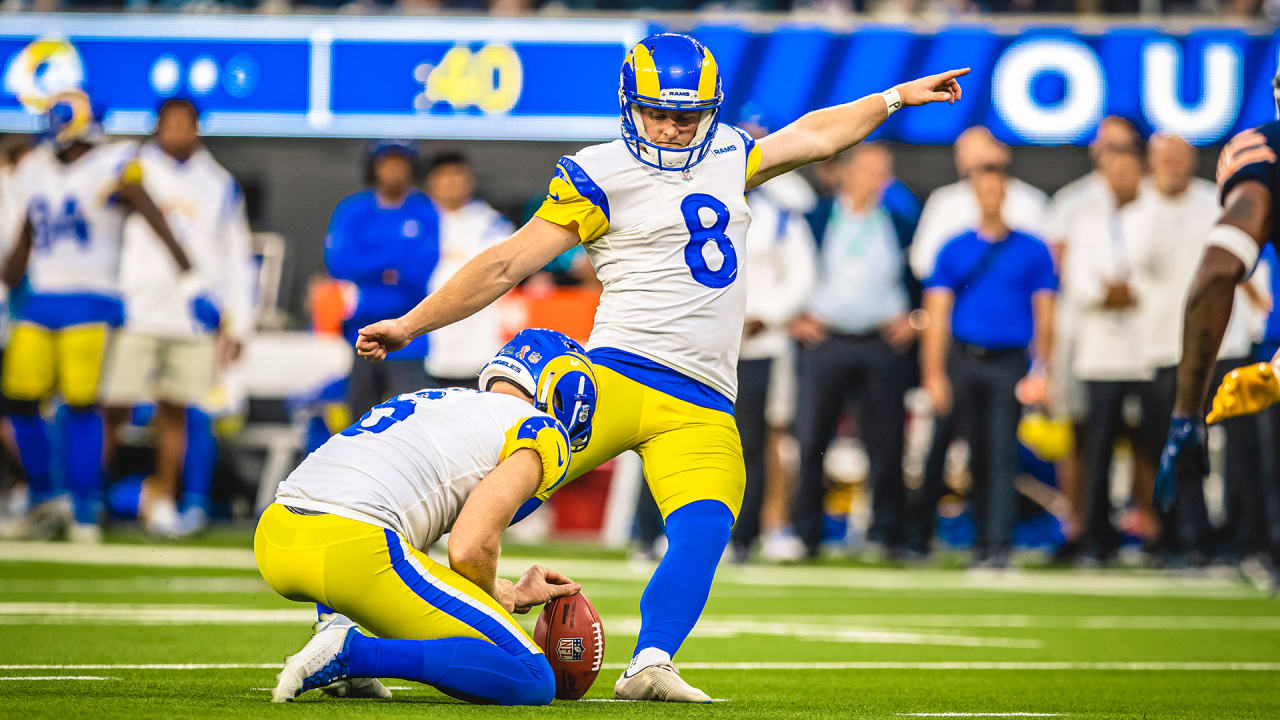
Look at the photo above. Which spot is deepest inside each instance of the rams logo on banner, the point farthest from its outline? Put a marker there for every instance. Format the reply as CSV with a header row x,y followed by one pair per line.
x,y
43,69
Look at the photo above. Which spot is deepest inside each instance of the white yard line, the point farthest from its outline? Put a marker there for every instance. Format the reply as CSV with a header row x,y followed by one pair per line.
x,y
997,666
979,714
1069,622
1108,583
722,627
135,585
878,628
56,677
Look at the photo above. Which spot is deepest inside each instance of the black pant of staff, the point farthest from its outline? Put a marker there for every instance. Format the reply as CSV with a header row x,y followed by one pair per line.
x,y
983,384
867,370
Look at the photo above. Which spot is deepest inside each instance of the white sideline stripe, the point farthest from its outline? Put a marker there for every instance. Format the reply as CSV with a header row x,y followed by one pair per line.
x,y
162,614
55,678
721,627
1102,583
981,714
137,584
1116,666
471,602
389,687
878,628
1073,622
1123,666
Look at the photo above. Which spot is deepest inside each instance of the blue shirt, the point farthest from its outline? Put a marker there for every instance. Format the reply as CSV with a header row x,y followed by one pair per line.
x,y
993,309
389,253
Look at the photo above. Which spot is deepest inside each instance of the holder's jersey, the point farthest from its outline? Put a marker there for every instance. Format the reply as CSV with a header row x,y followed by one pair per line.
x,y
667,246
76,224
409,464
1251,155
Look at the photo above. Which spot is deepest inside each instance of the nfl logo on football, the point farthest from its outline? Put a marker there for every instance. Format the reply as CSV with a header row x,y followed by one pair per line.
x,y
570,649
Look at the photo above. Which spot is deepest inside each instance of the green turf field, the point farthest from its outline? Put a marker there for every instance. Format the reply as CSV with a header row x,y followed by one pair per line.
x,y
135,631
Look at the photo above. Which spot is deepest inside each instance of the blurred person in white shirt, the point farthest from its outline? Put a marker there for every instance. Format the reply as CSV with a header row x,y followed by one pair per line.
x,y
468,225
780,255
165,353
1088,195
1102,235
951,209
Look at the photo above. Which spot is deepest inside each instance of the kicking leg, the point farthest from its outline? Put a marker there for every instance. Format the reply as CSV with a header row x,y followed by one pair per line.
x,y
696,473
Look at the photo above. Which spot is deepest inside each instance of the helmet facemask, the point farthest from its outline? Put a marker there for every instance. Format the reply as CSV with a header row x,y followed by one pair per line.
x,y
659,156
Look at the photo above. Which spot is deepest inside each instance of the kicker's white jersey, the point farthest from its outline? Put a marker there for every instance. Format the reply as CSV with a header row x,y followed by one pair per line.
x,y
668,248
409,464
76,223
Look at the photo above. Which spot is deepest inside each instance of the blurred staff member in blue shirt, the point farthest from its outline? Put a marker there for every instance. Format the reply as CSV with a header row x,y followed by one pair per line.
x,y
385,240
992,291
856,339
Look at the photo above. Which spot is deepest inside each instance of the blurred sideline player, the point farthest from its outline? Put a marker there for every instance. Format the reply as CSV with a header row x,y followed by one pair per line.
x,y
662,215
351,525
468,225
163,354
76,192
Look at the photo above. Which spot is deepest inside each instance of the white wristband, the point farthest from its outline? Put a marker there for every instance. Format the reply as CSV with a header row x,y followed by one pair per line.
x,y
1237,242
892,99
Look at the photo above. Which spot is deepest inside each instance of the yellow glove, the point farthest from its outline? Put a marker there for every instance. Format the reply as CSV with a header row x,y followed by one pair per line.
x,y
1245,391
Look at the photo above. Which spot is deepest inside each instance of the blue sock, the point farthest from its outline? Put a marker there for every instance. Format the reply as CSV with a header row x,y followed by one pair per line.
x,y
35,453
198,464
697,535
465,668
322,610
82,443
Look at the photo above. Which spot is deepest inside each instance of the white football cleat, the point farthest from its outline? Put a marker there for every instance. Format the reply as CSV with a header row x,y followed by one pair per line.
x,y
320,662
49,520
159,518
85,533
371,688
351,687
661,683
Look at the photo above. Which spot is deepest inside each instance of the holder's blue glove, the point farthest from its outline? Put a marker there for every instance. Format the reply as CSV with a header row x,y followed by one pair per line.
x,y
1184,444
206,312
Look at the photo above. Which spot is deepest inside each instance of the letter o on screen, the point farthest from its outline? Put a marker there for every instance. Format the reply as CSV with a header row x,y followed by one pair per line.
x,y
1067,121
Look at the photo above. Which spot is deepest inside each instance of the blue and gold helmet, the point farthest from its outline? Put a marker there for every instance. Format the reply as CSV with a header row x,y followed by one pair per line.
x,y
69,118
671,72
553,369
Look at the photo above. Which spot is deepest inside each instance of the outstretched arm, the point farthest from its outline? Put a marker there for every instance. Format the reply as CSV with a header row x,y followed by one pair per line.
x,y
825,133
1233,248
1247,211
485,278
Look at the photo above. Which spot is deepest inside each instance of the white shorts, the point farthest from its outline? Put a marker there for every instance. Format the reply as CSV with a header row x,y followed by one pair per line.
x,y
144,367
780,405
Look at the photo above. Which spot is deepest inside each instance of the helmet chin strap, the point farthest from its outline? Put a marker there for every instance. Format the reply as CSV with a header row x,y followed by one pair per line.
x,y
675,159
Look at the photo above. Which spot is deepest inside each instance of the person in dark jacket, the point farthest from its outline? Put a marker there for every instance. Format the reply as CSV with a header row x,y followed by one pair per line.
x,y
385,240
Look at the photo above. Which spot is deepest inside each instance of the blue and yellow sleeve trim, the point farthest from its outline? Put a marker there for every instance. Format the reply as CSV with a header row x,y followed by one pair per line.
x,y
573,197
543,435
752,151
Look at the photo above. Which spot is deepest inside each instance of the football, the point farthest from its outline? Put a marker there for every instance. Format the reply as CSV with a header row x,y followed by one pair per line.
x,y
570,633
